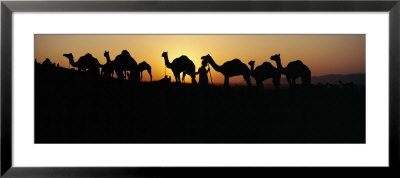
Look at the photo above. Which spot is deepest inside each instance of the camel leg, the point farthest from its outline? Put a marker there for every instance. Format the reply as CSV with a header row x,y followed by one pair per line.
x,y
276,82
306,80
151,77
290,82
120,75
259,84
294,82
226,82
193,79
247,79
183,77
176,78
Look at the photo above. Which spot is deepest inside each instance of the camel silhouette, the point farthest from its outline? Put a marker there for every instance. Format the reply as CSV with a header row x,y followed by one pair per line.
x,y
124,63
265,71
231,68
180,64
108,68
85,63
293,70
144,66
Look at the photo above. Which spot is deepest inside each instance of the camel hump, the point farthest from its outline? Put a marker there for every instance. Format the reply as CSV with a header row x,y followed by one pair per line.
x,y
88,58
267,64
88,55
298,61
125,52
183,57
144,64
236,60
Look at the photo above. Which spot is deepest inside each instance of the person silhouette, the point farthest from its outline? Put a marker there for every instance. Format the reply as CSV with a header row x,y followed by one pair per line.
x,y
203,78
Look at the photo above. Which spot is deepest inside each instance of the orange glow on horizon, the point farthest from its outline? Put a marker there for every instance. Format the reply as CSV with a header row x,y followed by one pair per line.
x,y
323,54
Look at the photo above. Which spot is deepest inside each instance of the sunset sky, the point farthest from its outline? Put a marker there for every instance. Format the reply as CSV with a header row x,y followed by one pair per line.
x,y
323,54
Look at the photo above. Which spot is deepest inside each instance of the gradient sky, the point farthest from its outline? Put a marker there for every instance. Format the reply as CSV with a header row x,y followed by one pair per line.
x,y
323,54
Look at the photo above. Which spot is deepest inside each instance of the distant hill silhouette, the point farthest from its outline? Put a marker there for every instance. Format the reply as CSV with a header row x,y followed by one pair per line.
x,y
358,79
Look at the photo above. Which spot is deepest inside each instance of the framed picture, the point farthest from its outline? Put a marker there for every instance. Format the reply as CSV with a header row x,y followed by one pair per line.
x,y
156,88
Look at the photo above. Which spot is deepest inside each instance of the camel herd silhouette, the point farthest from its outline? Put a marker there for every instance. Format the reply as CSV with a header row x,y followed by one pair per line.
x,y
126,68
123,65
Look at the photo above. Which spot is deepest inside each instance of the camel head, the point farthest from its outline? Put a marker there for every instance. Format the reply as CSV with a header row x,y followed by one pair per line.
x,y
69,56
251,63
164,54
276,57
206,57
106,54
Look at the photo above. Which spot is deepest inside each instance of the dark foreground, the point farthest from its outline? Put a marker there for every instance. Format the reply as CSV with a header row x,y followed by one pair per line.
x,y
70,108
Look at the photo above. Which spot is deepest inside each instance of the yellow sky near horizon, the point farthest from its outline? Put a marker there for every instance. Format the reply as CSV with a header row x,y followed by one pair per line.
x,y
323,54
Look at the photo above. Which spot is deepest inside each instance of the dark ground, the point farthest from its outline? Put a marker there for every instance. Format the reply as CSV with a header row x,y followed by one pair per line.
x,y
72,108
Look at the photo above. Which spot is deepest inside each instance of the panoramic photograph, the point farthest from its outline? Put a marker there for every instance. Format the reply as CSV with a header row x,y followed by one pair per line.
x,y
206,89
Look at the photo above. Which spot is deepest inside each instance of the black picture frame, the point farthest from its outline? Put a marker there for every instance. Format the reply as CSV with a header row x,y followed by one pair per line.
x,y
8,7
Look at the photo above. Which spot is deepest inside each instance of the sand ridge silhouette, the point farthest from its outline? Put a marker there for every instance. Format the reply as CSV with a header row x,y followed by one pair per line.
x,y
73,106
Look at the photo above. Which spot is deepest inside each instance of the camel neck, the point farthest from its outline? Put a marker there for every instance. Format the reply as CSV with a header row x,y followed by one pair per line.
x,y
108,58
214,65
279,64
71,61
167,63
252,70
252,67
